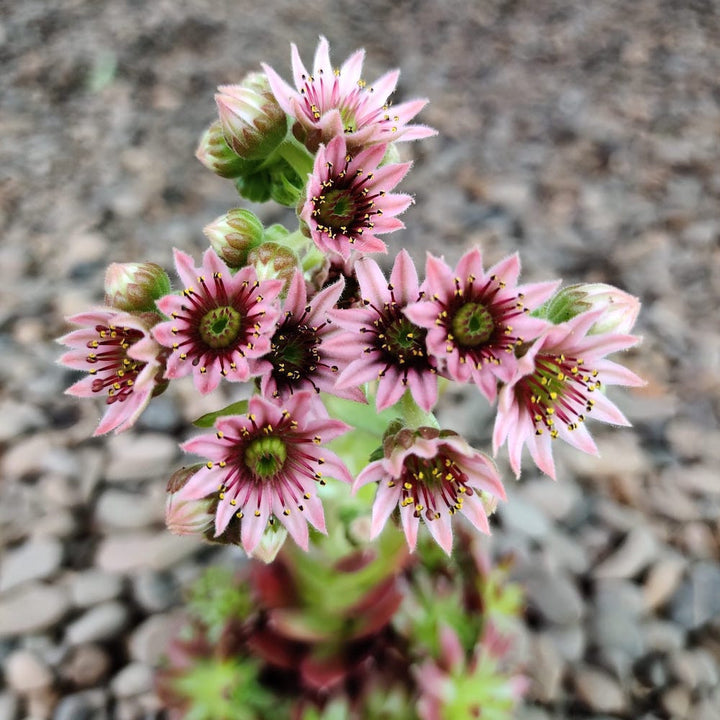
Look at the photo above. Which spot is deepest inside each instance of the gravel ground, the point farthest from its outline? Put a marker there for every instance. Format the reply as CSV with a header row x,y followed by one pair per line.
x,y
585,135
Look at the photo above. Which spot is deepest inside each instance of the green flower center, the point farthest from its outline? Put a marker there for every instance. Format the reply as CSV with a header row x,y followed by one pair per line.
x,y
335,209
265,456
405,341
472,325
220,327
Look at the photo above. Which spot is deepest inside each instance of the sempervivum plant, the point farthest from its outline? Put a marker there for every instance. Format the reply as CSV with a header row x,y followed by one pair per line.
x,y
363,590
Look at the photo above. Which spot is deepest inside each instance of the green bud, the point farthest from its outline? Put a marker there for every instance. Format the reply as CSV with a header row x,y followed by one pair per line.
x,y
252,121
134,287
215,154
272,260
233,235
255,187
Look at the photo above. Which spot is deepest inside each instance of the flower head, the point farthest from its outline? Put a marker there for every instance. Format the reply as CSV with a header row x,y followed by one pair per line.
x,y
475,319
265,466
349,201
557,385
219,321
135,287
380,342
299,355
123,362
431,474
330,102
253,122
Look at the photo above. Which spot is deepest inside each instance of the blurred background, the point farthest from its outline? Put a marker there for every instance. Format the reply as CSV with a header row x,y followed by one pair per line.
x,y
584,135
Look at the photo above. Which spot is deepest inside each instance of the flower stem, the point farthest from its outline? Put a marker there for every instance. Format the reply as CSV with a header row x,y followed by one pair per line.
x,y
413,415
296,156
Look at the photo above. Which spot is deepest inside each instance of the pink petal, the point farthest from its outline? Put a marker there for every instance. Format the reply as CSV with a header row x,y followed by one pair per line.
x,y
374,472
300,74
611,373
540,447
535,294
507,270
281,90
351,69
474,511
606,411
390,389
386,500
410,525
321,64
373,284
294,521
206,481
384,86
360,371
441,530
186,269
423,313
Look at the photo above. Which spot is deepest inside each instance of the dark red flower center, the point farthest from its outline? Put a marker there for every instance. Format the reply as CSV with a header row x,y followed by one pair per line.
x,y
115,370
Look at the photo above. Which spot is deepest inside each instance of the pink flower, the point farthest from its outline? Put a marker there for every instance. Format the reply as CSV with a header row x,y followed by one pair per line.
x,y
299,354
380,342
265,465
348,203
557,383
331,102
431,475
475,319
219,321
123,361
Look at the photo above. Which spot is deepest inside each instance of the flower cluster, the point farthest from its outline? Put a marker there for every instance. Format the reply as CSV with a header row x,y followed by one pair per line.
x,y
328,345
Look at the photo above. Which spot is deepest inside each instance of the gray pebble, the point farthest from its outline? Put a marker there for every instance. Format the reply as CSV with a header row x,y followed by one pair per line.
x,y
636,552
149,641
34,560
85,666
92,587
134,679
27,673
598,691
31,608
9,706
86,705
554,595
102,622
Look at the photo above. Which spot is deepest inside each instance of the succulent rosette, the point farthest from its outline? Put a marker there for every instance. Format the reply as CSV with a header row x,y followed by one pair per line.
x,y
299,353
266,465
330,102
123,362
349,203
430,475
475,319
218,323
557,385
380,342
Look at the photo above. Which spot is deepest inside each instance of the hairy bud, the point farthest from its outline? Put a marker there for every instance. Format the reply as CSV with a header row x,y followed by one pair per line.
x,y
134,287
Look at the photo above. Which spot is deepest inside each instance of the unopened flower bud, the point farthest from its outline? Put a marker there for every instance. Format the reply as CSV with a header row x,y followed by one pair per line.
x,y
252,121
272,260
187,517
135,287
234,235
215,154
620,309
272,540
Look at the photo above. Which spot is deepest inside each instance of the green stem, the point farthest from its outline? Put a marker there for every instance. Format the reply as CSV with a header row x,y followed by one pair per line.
x,y
413,415
296,156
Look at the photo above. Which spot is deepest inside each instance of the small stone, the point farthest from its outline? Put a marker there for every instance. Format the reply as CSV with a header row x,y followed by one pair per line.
x,y
556,500
697,600
92,587
86,705
662,581
598,691
9,706
676,702
131,552
569,640
620,596
150,640
545,668
134,679
699,541
85,666
614,630
136,457
554,596
638,549
34,560
663,636
694,668
102,622
17,418
117,509
32,608
520,516
156,591
563,552
27,673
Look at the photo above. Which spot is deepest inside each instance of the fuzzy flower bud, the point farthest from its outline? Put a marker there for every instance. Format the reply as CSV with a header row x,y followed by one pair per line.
x,y
215,154
187,517
252,121
233,235
134,287
619,309
272,260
